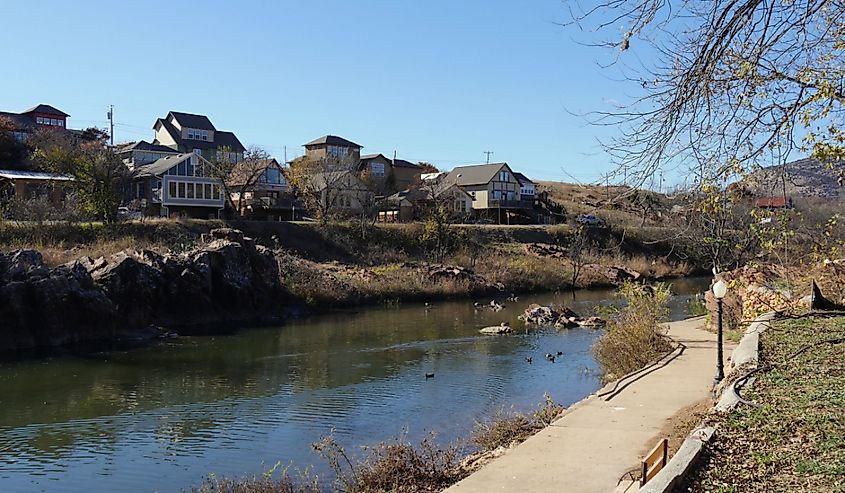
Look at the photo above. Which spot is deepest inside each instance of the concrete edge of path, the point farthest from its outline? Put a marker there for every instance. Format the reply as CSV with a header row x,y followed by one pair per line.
x,y
746,352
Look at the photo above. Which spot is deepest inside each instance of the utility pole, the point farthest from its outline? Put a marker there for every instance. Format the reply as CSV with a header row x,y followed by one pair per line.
x,y
488,155
286,155
111,123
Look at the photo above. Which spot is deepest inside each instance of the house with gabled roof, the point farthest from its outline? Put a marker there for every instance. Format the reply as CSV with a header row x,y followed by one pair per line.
x,y
39,116
412,203
188,132
259,189
178,185
493,187
139,153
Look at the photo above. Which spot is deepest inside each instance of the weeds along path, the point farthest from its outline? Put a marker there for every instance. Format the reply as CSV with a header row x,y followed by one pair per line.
x,y
597,441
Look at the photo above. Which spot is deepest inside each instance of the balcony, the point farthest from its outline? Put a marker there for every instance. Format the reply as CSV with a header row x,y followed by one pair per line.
x,y
509,204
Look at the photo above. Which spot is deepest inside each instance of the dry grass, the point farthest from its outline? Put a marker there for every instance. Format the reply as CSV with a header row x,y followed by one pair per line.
x,y
394,466
508,426
634,337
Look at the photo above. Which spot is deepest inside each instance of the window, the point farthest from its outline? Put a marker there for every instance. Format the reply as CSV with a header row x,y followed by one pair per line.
x,y
61,123
200,191
207,189
216,189
191,167
503,176
337,151
190,187
39,120
377,169
181,190
205,135
140,190
171,189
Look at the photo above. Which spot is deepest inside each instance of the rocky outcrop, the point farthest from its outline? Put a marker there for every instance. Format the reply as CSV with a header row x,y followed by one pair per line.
x,y
559,317
229,278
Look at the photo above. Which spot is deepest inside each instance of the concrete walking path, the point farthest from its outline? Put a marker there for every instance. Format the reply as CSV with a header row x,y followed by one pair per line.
x,y
597,441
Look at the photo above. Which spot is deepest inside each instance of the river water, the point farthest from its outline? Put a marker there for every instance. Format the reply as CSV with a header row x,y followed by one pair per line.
x,y
161,418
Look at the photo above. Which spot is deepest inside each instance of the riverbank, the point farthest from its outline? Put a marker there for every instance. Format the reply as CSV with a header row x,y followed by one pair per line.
x,y
600,439
171,276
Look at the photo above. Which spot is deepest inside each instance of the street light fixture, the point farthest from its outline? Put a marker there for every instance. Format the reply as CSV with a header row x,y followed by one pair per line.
x,y
720,289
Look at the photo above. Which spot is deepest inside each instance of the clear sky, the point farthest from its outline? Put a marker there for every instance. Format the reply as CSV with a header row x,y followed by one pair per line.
x,y
437,80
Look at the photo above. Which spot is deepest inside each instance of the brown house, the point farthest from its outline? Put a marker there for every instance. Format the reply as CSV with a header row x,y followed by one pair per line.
x,y
405,174
259,190
33,184
332,146
774,203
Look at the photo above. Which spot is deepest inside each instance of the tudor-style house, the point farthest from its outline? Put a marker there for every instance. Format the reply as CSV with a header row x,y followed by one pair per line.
x,y
491,186
259,190
186,132
178,185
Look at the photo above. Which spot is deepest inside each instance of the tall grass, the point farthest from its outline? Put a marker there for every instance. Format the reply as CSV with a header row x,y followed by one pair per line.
x,y
634,337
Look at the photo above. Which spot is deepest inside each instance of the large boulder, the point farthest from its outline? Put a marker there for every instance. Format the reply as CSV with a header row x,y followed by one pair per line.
x,y
227,279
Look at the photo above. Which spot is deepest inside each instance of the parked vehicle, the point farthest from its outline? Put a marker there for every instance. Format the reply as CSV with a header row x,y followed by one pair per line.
x,y
127,215
589,220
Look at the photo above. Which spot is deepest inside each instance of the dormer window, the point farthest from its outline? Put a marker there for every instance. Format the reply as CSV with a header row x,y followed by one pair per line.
x,y
197,134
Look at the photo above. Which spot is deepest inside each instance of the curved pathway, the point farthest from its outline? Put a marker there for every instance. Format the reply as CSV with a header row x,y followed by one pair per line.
x,y
599,440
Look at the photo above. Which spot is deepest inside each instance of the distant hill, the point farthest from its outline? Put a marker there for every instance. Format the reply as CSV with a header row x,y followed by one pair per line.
x,y
803,178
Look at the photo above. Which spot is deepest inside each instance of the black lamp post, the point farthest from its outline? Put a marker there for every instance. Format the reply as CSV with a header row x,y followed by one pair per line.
x,y
720,289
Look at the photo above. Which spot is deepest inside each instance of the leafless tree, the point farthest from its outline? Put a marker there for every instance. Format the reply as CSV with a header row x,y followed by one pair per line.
x,y
724,87
328,186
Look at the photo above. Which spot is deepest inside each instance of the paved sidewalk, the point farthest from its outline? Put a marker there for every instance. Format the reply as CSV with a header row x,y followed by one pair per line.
x,y
597,441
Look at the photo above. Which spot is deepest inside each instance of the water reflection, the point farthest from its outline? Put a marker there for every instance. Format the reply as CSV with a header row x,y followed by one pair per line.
x,y
159,418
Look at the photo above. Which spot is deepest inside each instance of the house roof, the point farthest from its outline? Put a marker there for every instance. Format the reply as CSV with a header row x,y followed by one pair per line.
x,y
160,166
32,175
401,163
477,174
369,157
774,202
221,138
45,108
192,120
21,121
332,140
419,194
142,145
522,178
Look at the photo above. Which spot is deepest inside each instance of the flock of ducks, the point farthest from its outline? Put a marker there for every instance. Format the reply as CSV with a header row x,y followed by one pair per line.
x,y
496,306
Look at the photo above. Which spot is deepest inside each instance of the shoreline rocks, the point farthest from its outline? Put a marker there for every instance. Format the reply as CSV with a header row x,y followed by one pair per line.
x,y
558,317
121,296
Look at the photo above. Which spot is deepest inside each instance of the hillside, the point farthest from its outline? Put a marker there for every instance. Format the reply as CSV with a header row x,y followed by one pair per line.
x,y
619,205
807,178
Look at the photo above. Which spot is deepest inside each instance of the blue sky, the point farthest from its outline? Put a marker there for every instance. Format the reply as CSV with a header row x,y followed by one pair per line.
x,y
440,81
